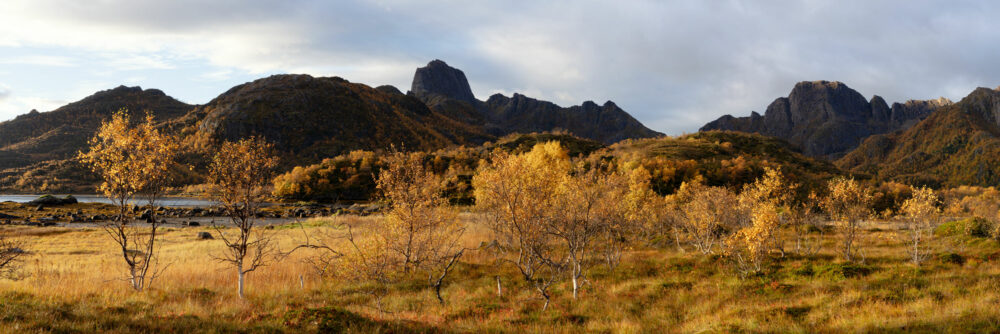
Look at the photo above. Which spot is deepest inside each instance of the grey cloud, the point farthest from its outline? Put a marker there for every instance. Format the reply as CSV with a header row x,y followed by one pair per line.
x,y
673,64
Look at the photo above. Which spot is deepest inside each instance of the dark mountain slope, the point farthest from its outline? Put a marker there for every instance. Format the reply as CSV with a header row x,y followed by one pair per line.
x,y
956,145
313,118
60,133
828,119
446,90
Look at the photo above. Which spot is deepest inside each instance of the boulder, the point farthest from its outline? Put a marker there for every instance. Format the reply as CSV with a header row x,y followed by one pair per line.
x,y
52,200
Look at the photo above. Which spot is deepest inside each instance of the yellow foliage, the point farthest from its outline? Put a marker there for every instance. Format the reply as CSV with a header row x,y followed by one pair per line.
x,y
130,158
848,203
763,199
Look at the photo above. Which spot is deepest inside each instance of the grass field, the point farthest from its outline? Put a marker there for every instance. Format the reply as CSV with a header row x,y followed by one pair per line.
x,y
70,283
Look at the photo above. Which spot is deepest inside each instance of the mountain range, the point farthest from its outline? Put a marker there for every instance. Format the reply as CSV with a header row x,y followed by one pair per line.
x,y
828,119
921,142
956,145
307,118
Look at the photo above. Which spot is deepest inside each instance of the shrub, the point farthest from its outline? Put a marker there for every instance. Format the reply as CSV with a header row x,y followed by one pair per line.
x,y
952,258
839,271
971,227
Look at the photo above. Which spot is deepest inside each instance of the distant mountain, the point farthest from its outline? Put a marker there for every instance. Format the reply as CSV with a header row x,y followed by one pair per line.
x,y
307,118
37,148
828,119
313,118
956,145
60,133
445,89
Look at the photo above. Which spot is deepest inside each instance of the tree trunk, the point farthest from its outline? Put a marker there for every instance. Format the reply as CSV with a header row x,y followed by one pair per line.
x,y
437,291
576,279
499,289
240,275
132,279
546,306
677,240
575,285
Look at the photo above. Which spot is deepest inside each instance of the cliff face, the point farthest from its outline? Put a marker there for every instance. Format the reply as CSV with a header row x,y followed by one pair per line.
x,y
828,119
955,145
437,78
446,90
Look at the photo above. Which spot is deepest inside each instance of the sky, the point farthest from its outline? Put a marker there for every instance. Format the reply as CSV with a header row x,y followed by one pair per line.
x,y
673,65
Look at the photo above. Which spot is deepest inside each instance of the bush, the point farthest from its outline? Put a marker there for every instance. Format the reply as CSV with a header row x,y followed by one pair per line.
x,y
952,258
971,227
834,271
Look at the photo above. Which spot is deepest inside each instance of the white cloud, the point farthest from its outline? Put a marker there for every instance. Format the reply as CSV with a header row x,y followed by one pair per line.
x,y
12,105
673,64
43,60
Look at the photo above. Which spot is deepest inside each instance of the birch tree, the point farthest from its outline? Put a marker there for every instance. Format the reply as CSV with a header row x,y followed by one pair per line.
x,y
239,172
11,252
134,162
848,206
764,199
519,194
420,227
920,213
705,213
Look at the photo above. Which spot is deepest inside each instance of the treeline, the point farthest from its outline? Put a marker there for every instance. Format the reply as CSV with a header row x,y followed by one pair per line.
x,y
351,177
728,159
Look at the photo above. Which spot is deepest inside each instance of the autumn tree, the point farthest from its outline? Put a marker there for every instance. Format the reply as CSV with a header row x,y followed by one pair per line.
x,y
982,202
519,194
632,210
371,261
848,205
134,162
920,213
704,213
584,213
419,226
765,200
11,252
239,173
806,225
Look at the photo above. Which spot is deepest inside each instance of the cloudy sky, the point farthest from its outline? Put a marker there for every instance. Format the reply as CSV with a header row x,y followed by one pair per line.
x,y
674,65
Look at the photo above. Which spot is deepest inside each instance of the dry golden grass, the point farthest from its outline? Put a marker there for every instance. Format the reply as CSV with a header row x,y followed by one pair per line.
x,y
71,284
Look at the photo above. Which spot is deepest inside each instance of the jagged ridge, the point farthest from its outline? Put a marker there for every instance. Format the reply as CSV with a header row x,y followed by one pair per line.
x,y
828,118
956,145
446,90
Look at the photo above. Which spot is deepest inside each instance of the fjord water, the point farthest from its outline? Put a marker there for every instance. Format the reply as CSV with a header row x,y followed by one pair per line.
x,y
165,202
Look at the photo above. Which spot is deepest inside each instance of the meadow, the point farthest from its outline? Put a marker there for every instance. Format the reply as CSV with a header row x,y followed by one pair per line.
x,y
70,282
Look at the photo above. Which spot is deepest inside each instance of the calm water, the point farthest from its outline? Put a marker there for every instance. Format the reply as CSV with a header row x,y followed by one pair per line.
x,y
167,202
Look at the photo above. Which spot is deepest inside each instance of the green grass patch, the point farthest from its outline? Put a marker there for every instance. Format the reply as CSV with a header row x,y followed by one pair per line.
x,y
969,227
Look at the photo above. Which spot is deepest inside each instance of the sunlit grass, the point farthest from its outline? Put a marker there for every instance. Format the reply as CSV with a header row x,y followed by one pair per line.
x,y
72,283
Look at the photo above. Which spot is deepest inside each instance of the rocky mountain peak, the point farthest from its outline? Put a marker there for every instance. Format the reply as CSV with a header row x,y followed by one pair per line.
x,y
437,78
827,118
825,99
